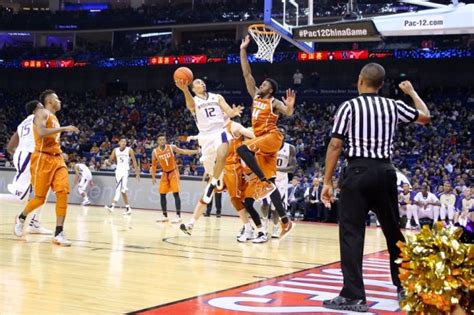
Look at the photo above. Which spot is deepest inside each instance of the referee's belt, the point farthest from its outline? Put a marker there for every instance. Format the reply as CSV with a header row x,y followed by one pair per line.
x,y
357,159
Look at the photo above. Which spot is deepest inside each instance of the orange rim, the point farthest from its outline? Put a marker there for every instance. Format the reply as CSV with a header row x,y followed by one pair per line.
x,y
261,29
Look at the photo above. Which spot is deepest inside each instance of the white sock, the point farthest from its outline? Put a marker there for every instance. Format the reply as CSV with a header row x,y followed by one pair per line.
x,y
248,227
214,181
260,229
127,206
191,222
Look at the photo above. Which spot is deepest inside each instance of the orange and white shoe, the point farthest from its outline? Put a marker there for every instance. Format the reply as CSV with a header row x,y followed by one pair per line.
x,y
61,240
286,229
263,190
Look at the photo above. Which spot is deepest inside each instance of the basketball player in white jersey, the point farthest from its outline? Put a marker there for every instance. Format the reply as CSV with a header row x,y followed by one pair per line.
x,y
286,163
122,156
448,203
22,145
209,110
428,204
407,207
83,178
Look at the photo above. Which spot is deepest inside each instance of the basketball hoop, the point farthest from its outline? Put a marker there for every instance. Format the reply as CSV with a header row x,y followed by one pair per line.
x,y
266,39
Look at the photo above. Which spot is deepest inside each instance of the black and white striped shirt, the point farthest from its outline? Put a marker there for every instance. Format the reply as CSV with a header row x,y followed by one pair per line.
x,y
368,122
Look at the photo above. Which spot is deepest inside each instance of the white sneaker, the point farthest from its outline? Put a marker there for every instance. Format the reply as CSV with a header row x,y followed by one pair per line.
x,y
261,238
162,219
85,202
110,208
36,228
128,211
276,232
61,240
176,219
246,236
242,230
18,228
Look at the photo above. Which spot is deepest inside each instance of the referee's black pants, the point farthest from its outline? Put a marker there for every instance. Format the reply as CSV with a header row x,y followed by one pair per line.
x,y
367,184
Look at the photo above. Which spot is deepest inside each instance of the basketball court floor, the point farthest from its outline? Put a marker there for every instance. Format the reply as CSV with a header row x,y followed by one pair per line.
x,y
132,264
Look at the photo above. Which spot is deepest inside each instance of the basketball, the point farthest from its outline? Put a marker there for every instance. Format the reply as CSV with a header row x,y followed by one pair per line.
x,y
183,73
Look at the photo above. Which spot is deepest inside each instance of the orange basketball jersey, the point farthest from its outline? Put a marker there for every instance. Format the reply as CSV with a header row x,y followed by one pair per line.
x,y
165,157
263,118
49,144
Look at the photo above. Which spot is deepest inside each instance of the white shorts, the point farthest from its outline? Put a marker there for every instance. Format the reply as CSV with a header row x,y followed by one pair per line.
x,y
209,143
121,178
21,186
425,213
83,183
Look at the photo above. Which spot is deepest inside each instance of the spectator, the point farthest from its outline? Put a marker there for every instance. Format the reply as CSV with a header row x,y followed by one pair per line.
x,y
295,196
297,79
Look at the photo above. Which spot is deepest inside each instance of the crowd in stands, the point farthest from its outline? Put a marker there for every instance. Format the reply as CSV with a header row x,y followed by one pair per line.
x,y
429,155
170,13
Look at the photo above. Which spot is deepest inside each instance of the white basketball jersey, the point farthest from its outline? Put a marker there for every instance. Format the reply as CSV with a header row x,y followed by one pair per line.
x,y
429,198
25,133
283,158
209,115
84,171
123,159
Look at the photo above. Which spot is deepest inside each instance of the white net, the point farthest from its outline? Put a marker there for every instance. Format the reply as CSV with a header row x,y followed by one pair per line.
x,y
266,39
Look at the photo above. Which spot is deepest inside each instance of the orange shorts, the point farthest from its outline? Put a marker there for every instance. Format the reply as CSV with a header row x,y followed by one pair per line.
x,y
250,188
47,171
266,148
169,182
233,180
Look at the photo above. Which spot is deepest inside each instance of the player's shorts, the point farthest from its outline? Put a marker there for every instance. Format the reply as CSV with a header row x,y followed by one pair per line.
x,y
48,170
121,178
425,213
250,188
169,182
21,185
209,143
266,148
83,183
233,180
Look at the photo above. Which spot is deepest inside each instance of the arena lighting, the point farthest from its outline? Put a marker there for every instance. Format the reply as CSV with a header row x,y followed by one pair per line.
x,y
155,34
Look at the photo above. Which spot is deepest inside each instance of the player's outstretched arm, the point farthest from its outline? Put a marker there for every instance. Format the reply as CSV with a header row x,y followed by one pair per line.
x,y
135,164
231,112
187,94
184,151
154,162
292,165
287,107
13,143
246,70
41,117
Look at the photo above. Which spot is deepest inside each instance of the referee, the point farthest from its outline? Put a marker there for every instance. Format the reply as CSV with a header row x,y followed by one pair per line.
x,y
367,123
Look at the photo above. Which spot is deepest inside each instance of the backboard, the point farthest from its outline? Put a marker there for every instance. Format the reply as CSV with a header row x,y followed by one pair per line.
x,y
284,15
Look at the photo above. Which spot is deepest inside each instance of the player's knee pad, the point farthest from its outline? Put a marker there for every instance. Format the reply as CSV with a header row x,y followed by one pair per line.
x,y
61,204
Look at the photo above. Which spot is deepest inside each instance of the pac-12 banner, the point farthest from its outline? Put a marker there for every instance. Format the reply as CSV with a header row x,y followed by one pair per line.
x,y
301,292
